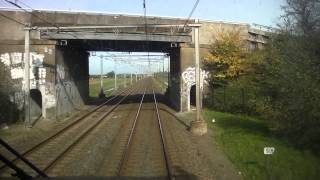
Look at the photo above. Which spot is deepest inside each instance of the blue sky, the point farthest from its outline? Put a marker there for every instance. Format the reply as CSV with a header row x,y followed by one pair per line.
x,y
264,12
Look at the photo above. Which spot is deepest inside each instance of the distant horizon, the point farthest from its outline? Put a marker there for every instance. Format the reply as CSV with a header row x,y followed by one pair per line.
x,y
128,64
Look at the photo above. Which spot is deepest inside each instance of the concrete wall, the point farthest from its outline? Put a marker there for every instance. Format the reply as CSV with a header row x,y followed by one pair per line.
x,y
42,72
187,61
210,30
175,79
72,79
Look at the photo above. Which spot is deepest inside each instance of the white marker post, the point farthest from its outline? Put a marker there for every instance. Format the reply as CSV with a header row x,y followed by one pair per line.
x,y
268,152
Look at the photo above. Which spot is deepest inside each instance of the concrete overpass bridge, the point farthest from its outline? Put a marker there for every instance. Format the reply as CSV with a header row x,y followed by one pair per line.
x,y
60,42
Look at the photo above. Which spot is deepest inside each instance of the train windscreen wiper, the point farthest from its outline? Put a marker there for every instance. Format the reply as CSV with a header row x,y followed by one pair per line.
x,y
19,172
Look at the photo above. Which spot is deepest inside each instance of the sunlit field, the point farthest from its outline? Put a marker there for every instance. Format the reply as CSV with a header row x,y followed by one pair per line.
x,y
108,85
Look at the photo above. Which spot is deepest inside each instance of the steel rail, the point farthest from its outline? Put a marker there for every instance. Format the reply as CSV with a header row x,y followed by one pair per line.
x,y
124,155
79,119
164,147
84,134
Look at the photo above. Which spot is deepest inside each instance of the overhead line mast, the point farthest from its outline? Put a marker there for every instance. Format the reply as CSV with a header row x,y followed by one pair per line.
x,y
146,29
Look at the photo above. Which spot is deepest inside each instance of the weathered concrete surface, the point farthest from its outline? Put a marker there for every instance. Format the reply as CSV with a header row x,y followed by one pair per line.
x,y
42,62
72,79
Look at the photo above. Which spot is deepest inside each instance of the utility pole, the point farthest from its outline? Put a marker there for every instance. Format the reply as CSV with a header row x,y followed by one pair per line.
x,y
197,64
115,75
101,94
169,71
136,77
125,79
131,78
27,77
163,78
198,126
115,80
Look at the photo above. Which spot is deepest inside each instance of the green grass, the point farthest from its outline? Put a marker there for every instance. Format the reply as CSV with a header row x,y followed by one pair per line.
x,y
161,83
108,83
243,139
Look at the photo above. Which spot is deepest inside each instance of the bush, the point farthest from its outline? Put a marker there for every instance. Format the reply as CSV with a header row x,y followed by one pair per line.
x,y
8,110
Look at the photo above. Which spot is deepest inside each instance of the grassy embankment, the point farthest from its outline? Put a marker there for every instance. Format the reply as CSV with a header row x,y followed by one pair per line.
x,y
108,83
243,138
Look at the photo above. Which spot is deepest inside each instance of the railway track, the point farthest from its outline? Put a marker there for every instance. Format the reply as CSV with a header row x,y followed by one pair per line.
x,y
145,152
47,153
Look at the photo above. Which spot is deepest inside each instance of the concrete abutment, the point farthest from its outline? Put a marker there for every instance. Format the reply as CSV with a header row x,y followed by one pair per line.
x,y
59,76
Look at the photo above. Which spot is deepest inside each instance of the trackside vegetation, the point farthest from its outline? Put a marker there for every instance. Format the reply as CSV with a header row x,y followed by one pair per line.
x,y
243,139
269,97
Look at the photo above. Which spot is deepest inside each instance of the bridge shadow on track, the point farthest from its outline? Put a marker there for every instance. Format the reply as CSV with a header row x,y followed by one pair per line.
x,y
136,98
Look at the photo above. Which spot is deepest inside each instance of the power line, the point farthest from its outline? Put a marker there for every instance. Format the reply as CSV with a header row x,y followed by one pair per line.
x,y
32,14
190,14
12,19
20,7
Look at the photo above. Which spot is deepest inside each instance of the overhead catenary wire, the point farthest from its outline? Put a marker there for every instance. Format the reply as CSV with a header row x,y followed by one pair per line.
x,y
35,15
12,19
191,13
189,16
25,10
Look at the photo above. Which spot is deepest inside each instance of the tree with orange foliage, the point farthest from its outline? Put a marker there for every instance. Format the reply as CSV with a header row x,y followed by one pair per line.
x,y
226,57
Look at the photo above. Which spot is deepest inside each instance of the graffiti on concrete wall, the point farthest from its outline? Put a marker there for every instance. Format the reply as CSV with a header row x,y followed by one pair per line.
x,y
60,72
15,62
189,79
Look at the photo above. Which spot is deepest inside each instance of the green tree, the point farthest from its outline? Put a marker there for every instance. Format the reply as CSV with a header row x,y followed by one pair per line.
x,y
287,75
226,57
8,110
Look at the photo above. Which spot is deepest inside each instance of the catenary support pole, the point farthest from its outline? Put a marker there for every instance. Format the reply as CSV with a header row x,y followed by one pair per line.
x,y
115,75
169,81
101,94
27,78
163,78
197,64
115,80
198,126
